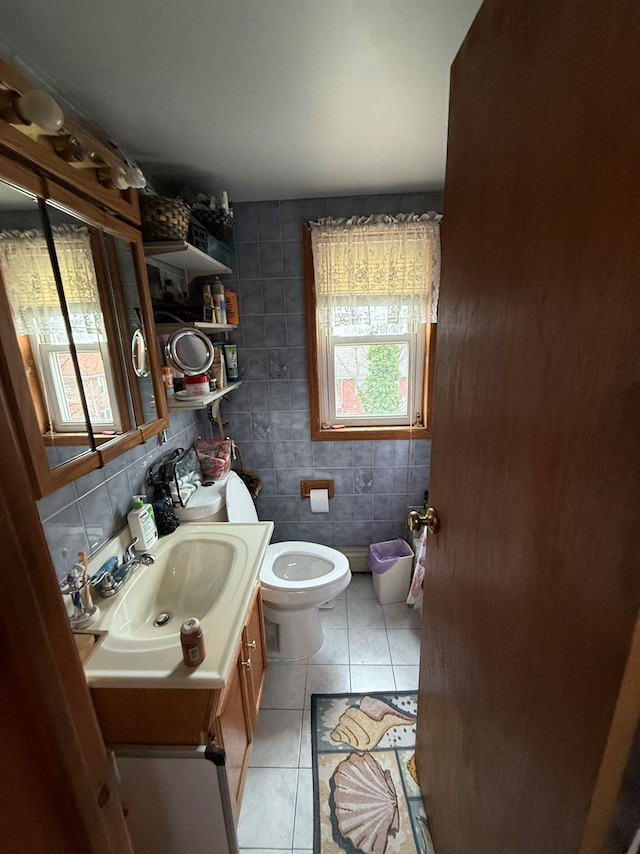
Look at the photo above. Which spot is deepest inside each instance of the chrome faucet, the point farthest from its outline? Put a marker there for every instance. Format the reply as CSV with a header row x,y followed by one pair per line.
x,y
109,583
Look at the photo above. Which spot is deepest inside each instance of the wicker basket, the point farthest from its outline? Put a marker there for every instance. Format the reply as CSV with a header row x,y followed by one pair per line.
x,y
219,224
164,218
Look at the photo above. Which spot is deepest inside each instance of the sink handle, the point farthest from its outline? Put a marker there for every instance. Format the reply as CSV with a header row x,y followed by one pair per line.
x,y
128,552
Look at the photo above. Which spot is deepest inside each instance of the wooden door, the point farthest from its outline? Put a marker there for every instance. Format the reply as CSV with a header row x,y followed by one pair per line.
x,y
255,649
232,728
533,582
58,792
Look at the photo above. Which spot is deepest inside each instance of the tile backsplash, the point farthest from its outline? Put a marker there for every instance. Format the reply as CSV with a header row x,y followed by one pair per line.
x,y
268,415
375,482
85,514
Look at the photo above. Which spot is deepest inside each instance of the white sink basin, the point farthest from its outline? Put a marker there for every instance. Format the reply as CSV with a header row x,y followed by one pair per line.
x,y
209,571
186,580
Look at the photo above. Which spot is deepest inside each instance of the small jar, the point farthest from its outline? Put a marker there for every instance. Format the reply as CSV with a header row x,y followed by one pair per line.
x,y
192,640
197,386
167,379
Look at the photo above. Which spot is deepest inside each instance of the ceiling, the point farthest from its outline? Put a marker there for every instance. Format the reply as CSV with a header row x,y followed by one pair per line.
x,y
269,99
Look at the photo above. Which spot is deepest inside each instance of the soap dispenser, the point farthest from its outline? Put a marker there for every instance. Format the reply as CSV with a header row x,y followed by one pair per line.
x,y
142,523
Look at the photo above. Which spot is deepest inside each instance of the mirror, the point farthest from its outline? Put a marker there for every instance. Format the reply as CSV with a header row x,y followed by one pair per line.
x,y
79,253
75,319
43,326
190,351
122,266
139,354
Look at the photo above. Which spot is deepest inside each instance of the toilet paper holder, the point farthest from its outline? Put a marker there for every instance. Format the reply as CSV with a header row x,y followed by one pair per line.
x,y
307,485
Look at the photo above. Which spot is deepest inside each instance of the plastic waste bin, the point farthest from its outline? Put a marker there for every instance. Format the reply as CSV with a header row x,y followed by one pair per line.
x,y
391,563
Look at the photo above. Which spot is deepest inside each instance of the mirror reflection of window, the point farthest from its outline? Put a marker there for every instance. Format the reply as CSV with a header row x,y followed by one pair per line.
x,y
75,244
29,282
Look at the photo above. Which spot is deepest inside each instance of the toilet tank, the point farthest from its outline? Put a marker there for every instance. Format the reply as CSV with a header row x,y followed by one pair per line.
x,y
207,504
226,500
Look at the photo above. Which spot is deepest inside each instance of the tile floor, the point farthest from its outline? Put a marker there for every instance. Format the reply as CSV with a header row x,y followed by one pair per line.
x,y
368,647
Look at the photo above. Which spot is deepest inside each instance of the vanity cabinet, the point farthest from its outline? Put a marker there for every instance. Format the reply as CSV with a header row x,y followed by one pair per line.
x,y
255,653
183,716
233,729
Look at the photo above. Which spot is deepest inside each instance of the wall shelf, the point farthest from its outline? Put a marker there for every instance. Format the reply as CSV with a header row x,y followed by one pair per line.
x,y
204,401
186,257
207,328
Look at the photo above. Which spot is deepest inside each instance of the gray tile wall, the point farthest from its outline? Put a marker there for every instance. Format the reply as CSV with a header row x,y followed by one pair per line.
x,y
268,415
83,515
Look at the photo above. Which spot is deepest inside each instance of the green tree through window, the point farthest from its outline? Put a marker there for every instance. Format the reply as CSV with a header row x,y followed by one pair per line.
x,y
380,393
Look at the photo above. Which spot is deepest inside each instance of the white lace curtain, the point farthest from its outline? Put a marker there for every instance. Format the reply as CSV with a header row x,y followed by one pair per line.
x,y
382,265
31,286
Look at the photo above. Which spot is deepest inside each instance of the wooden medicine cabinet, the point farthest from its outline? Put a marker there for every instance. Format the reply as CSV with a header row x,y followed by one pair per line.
x,y
76,328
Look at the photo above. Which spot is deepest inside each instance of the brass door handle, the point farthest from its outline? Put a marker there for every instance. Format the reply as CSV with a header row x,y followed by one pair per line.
x,y
251,645
247,663
428,519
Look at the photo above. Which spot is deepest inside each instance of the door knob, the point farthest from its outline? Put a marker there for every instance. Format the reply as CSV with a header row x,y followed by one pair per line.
x,y
428,519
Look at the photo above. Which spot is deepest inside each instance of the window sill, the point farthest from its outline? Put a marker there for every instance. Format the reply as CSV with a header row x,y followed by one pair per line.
x,y
320,434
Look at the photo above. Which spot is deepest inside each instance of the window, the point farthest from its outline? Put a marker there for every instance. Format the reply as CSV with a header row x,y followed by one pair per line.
x,y
372,287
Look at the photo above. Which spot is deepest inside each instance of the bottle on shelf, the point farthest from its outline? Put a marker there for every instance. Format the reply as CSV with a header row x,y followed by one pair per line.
x,y
231,302
219,301
208,308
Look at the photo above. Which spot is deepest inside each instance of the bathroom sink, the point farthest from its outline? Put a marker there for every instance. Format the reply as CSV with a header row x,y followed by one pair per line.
x,y
186,580
209,571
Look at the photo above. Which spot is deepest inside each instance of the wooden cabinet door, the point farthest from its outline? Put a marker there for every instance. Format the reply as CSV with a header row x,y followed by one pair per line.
x,y
254,644
232,728
532,587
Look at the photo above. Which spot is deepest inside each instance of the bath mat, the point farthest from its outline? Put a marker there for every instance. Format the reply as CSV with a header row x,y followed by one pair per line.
x,y
366,798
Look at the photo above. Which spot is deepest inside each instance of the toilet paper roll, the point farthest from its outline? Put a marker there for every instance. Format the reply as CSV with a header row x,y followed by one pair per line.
x,y
319,500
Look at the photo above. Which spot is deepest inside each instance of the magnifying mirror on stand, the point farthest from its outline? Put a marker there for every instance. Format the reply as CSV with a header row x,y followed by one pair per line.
x,y
189,351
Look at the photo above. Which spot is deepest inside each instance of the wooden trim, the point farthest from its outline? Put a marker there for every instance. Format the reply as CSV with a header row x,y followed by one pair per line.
x,y
88,211
81,180
14,173
122,314
146,309
616,754
367,434
81,177
344,434
430,373
111,327
42,674
35,387
66,440
119,445
312,336
155,715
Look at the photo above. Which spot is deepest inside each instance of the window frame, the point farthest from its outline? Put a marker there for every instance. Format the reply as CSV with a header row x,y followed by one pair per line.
x,y
316,352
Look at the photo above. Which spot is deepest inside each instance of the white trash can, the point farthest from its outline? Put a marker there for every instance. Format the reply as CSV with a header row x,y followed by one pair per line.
x,y
391,564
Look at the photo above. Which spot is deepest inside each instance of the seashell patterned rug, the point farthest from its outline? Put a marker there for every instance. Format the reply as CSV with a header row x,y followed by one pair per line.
x,y
365,787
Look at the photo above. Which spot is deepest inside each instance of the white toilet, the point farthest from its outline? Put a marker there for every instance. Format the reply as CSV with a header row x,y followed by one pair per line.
x,y
295,577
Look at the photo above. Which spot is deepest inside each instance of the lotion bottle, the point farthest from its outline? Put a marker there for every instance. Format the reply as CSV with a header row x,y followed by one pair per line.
x,y
142,524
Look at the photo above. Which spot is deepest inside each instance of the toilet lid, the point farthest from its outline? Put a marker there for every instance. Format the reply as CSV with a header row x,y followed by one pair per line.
x,y
240,506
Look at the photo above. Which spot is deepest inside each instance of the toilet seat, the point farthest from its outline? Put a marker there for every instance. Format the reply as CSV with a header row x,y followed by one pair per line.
x,y
290,549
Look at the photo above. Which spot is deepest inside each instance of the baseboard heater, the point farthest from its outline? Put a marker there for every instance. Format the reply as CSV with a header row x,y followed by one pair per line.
x,y
358,558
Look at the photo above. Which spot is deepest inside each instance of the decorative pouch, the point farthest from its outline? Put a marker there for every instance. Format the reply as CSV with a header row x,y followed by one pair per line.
x,y
214,456
187,477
